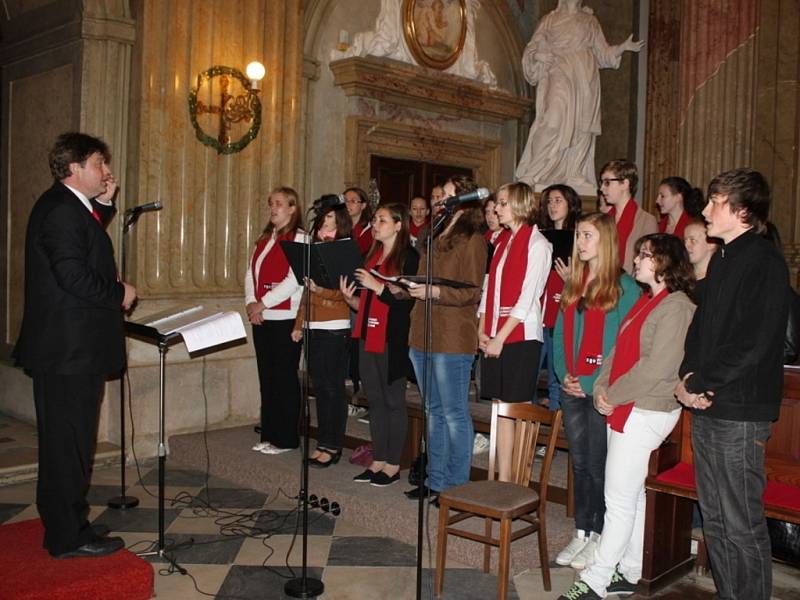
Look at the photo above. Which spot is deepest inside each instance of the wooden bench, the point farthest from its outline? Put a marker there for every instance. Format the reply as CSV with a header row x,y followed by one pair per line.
x,y
671,491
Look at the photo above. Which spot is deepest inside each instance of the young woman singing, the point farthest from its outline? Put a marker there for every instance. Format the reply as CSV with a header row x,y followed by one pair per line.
x,y
381,329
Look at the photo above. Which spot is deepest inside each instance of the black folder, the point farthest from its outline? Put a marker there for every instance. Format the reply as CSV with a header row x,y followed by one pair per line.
x,y
327,261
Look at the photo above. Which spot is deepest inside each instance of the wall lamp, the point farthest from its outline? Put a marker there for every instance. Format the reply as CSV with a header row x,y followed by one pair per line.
x,y
232,99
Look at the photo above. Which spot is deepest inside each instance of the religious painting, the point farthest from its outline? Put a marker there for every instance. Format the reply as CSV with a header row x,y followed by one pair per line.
x,y
435,30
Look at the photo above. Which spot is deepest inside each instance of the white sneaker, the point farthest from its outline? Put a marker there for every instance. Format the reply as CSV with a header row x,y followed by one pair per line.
x,y
576,544
275,450
541,451
354,410
585,557
481,444
259,447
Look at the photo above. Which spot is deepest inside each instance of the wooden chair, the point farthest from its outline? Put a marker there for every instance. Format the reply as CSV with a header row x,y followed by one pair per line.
x,y
503,501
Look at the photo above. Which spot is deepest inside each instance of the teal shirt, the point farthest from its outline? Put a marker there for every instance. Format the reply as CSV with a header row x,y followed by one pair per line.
x,y
630,294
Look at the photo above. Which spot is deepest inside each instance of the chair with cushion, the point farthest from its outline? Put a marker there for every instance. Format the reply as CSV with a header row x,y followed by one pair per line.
x,y
501,501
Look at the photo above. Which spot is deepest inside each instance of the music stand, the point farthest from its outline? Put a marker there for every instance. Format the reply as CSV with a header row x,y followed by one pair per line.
x,y
163,341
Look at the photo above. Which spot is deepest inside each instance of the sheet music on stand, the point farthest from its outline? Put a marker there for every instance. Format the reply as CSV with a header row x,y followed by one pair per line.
x,y
199,327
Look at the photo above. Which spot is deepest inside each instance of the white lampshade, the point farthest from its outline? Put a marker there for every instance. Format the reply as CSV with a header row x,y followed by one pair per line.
x,y
255,71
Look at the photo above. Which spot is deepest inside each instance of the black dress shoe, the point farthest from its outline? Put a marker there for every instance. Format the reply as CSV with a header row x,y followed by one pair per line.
x,y
364,477
381,479
415,493
333,456
95,548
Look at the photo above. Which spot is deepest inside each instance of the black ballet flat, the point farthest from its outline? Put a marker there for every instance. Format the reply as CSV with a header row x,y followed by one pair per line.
x,y
318,464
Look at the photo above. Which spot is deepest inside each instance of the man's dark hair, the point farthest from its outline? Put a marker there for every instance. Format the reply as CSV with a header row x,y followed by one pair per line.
x,y
623,169
747,191
74,147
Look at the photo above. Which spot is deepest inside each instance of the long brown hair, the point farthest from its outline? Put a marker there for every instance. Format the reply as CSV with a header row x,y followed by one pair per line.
x,y
469,223
397,256
344,224
295,222
604,290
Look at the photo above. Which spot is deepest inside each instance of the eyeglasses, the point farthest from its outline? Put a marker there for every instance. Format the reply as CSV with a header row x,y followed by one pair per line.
x,y
644,254
607,182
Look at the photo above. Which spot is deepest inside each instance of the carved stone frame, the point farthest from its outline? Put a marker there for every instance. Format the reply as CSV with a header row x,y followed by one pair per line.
x,y
418,50
366,136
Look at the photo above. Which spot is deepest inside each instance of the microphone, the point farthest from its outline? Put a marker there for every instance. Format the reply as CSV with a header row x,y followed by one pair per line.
x,y
479,194
135,210
328,201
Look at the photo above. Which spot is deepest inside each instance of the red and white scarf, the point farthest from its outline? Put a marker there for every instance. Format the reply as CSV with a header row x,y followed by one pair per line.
x,y
627,351
273,269
378,317
512,250
590,351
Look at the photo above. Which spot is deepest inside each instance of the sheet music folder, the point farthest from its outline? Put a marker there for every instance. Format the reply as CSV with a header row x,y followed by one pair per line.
x,y
199,327
328,261
404,280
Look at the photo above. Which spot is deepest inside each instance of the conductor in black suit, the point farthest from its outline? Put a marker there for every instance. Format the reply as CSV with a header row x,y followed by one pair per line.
x,y
72,334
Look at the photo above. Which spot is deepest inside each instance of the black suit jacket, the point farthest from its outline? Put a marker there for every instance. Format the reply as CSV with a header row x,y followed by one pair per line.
x,y
73,321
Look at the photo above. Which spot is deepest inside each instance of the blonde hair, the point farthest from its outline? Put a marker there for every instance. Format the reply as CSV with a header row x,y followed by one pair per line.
x,y
521,201
604,290
296,221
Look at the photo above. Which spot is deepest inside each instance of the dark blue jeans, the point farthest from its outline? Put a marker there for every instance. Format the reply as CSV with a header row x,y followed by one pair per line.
x,y
729,468
553,384
586,433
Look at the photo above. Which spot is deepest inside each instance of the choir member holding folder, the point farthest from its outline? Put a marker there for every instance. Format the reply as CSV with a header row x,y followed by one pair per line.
x,y
329,328
459,253
272,294
381,329
635,392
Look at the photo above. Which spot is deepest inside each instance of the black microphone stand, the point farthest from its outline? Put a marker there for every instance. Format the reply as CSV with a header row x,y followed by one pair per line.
x,y
123,501
305,586
427,326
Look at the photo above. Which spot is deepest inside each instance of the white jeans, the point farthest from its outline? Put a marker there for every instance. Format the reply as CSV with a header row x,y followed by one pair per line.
x,y
626,469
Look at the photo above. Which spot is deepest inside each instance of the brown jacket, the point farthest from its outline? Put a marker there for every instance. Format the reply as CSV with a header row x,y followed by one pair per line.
x,y
455,313
643,224
326,305
650,384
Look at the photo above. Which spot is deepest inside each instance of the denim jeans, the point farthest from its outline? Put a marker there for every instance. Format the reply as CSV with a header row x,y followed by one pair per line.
x,y
546,360
586,433
729,469
450,430
626,469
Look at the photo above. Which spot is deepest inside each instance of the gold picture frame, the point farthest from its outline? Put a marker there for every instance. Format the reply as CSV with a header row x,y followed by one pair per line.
x,y
435,30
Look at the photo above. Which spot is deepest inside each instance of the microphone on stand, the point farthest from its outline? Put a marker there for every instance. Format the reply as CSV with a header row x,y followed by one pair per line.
x,y
135,210
479,194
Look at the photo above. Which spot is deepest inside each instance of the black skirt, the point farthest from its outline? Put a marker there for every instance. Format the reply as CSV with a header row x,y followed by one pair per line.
x,y
512,377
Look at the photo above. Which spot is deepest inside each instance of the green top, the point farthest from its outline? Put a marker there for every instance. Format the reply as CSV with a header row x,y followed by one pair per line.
x,y
630,294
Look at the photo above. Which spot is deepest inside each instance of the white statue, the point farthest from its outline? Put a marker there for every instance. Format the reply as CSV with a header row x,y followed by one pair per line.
x,y
563,60
387,40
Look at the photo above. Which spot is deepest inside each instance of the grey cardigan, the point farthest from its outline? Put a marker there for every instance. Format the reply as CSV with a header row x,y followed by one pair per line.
x,y
650,384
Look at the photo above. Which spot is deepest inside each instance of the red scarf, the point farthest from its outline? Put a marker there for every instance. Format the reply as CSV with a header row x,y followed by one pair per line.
x,y
551,298
273,270
680,226
414,229
363,237
515,249
378,317
624,226
626,354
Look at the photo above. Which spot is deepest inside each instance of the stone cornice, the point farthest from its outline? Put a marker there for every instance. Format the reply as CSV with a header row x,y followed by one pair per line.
x,y
408,85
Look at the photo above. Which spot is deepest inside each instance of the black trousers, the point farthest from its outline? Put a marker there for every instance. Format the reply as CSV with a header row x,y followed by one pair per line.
x,y
67,407
388,416
278,359
328,354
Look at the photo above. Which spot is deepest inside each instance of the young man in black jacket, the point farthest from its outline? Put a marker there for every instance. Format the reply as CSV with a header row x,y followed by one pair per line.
x,y
732,380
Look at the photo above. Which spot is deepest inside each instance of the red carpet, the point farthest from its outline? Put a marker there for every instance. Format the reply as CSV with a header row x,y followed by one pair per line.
x,y
27,571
